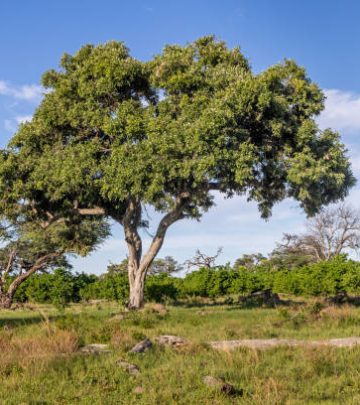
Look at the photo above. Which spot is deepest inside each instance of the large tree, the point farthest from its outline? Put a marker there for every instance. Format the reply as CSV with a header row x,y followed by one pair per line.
x,y
114,134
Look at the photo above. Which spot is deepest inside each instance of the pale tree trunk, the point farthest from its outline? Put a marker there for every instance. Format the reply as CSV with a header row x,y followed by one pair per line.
x,y
136,293
139,264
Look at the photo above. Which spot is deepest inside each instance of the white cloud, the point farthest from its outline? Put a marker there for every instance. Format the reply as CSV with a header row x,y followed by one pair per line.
x,y
342,111
11,125
20,119
25,92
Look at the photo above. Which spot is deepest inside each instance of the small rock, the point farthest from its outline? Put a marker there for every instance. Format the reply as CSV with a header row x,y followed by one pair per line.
x,y
132,369
118,317
220,385
142,346
138,390
201,313
170,340
158,308
338,299
261,298
95,348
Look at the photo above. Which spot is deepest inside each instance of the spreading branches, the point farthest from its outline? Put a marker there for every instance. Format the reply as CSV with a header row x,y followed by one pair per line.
x,y
332,232
202,260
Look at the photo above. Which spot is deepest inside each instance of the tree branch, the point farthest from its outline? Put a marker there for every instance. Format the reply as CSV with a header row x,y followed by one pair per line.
x,y
174,215
39,263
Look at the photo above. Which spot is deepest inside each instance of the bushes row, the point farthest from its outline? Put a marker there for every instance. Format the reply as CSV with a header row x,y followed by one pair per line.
x,y
325,278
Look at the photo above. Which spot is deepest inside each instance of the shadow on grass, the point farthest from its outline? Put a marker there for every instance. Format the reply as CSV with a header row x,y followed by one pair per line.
x,y
235,305
26,320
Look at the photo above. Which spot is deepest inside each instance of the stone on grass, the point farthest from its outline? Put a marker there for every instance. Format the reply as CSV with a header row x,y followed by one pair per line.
x,y
138,390
118,317
261,344
220,385
142,346
132,369
261,298
157,308
95,348
170,340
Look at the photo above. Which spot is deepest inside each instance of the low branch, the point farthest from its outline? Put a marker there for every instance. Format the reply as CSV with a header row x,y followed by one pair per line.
x,y
91,211
40,263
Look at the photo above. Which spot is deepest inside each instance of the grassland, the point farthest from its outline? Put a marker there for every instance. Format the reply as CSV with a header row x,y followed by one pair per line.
x,y
41,364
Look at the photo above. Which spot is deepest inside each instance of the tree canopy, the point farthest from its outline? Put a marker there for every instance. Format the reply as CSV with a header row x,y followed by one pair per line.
x,y
113,134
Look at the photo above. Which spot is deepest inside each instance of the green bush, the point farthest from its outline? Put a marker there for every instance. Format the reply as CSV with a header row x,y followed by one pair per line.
x,y
324,278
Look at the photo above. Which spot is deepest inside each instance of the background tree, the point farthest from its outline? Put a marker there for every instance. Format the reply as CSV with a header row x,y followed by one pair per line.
x,y
333,231
114,134
28,248
167,265
250,260
201,260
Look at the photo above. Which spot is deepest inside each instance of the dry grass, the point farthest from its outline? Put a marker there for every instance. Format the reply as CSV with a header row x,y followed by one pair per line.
x,y
47,345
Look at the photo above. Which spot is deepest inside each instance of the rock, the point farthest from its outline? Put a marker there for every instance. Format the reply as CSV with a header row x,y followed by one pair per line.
x,y
138,390
118,317
132,369
228,301
201,313
158,308
95,348
261,297
220,385
142,346
262,344
338,299
170,340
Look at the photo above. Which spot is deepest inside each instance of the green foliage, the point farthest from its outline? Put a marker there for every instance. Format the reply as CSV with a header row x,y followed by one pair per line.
x,y
193,119
58,288
110,286
161,287
324,278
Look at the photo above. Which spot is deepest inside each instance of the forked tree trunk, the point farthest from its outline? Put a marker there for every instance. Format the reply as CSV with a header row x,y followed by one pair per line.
x,y
138,263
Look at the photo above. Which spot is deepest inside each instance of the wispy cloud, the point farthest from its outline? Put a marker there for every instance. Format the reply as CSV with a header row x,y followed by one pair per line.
x,y
11,125
27,92
20,119
342,111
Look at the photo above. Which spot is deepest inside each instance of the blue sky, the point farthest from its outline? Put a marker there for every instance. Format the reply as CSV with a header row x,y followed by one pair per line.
x,y
321,35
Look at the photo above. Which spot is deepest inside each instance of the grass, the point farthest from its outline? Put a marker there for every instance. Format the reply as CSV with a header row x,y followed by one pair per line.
x,y
40,363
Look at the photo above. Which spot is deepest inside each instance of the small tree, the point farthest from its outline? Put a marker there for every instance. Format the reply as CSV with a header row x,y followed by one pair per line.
x,y
249,260
332,232
114,134
28,248
201,260
167,265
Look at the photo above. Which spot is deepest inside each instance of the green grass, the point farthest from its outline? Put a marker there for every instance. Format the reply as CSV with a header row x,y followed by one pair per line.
x,y
39,363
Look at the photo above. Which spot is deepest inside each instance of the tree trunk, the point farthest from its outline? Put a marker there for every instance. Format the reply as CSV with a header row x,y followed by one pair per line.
x,y
139,264
136,295
5,301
